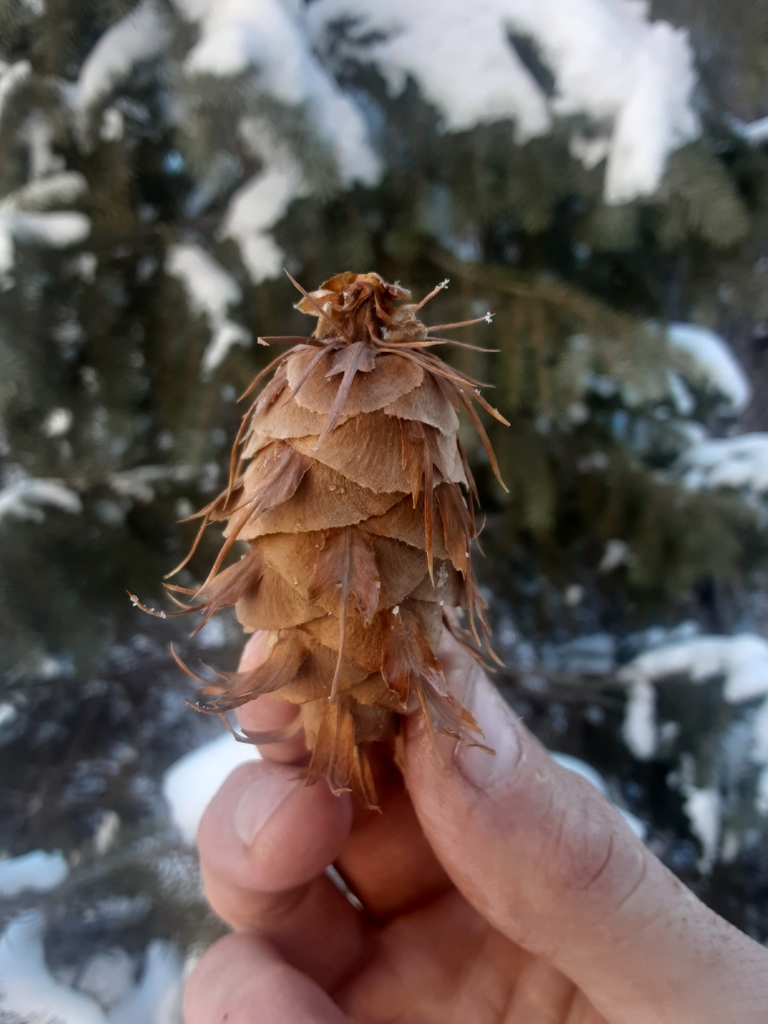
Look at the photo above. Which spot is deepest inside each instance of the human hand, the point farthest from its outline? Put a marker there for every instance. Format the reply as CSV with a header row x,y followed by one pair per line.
x,y
498,889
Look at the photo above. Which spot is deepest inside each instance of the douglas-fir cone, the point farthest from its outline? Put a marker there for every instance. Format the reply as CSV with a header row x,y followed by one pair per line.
x,y
351,490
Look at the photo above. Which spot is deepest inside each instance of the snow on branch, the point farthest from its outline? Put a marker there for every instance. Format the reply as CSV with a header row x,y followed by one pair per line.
x,y
56,230
11,77
37,871
28,987
46,193
712,363
754,133
608,60
210,291
739,463
24,212
29,990
261,202
25,498
269,37
139,36
740,660
138,483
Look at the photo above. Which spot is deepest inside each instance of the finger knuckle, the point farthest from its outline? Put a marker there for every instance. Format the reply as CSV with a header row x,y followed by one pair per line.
x,y
582,848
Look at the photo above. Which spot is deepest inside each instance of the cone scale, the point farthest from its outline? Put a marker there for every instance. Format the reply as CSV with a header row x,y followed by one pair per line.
x,y
352,495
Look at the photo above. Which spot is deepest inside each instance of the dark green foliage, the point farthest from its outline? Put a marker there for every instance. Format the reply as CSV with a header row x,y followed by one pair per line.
x,y
581,292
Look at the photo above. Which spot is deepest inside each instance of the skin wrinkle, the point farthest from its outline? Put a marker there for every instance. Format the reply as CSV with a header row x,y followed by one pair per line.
x,y
500,785
633,889
580,1011
281,904
639,927
473,967
559,836
578,862
521,781
413,981
517,907
530,994
389,966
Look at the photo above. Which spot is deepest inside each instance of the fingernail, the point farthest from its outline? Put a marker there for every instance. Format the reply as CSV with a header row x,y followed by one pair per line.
x,y
255,651
485,770
259,802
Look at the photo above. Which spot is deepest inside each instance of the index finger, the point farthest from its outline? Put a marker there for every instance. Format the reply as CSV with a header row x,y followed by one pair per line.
x,y
387,862
267,713
265,841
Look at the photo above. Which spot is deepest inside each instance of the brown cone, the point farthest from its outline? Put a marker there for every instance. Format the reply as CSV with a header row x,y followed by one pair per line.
x,y
351,490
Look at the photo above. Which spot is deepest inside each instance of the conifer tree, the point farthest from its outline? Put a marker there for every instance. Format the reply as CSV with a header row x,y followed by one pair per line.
x,y
603,193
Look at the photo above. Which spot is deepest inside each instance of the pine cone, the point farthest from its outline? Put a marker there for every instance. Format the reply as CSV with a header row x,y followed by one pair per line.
x,y
350,488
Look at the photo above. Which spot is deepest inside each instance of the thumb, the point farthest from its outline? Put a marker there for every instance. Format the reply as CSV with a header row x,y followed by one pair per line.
x,y
552,865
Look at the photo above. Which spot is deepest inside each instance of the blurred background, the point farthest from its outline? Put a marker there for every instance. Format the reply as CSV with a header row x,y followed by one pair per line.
x,y
593,171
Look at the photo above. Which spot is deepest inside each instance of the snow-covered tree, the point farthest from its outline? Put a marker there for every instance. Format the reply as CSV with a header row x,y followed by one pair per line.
x,y
594,172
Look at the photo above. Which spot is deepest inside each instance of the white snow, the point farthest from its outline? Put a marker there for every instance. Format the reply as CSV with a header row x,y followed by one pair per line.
x,y
742,659
50,185
680,393
138,37
257,206
704,810
639,101
209,287
655,115
37,871
628,74
37,133
593,776
590,152
191,783
58,422
29,990
106,832
112,125
8,713
138,483
11,77
753,132
157,997
225,337
761,797
43,193
759,752
85,265
23,498
639,726
712,362
270,35
57,230
210,291
740,463
616,553
213,634
108,977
